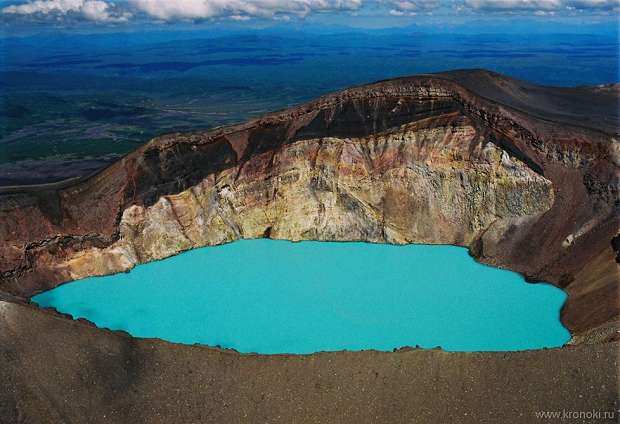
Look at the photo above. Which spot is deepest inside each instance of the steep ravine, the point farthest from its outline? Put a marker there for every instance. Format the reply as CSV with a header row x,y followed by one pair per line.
x,y
414,160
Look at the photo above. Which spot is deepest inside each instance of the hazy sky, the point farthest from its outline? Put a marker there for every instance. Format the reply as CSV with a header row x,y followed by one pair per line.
x,y
372,13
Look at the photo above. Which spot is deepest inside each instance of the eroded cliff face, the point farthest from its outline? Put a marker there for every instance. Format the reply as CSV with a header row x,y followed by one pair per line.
x,y
417,160
433,181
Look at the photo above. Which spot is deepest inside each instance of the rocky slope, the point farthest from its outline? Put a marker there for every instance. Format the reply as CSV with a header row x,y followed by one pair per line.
x,y
75,373
525,176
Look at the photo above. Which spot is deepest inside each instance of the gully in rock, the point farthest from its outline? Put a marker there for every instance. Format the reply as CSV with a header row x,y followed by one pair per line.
x,y
523,176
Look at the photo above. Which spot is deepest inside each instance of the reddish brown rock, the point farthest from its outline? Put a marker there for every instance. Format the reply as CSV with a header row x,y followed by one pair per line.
x,y
525,176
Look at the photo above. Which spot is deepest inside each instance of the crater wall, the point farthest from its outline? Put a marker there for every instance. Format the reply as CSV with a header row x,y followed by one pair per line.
x,y
458,158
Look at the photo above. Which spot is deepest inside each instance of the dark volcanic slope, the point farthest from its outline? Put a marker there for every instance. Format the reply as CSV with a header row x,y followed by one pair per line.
x,y
526,176
74,373
565,135
592,107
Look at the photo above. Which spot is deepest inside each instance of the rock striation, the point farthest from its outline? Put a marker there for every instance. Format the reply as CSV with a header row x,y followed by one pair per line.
x,y
526,176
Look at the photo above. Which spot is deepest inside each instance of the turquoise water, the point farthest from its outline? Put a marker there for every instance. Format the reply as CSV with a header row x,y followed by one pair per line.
x,y
271,296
